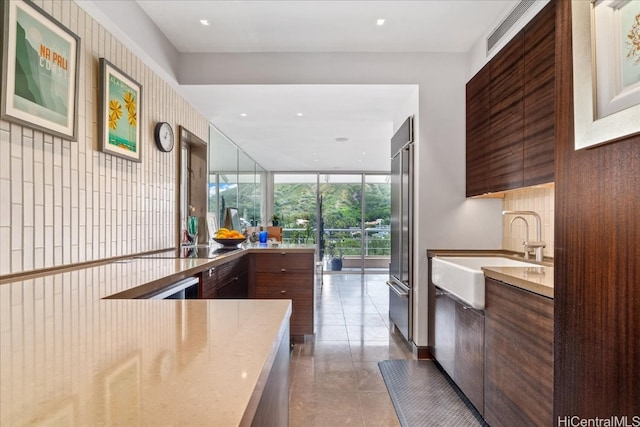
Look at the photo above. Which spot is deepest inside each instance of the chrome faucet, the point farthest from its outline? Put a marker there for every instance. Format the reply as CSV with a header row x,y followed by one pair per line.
x,y
536,246
526,227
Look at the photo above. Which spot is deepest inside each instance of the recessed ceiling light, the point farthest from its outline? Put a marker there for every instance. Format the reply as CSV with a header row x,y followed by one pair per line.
x,y
380,22
341,139
299,114
204,22
243,114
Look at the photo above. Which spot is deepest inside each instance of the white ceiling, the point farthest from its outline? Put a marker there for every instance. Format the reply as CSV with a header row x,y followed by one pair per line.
x,y
279,139
324,25
272,132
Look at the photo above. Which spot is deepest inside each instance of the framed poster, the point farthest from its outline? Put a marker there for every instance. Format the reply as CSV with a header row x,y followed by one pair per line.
x,y
119,115
606,70
40,70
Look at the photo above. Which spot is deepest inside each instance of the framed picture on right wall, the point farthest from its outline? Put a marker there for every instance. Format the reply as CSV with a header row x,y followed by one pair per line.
x,y
606,70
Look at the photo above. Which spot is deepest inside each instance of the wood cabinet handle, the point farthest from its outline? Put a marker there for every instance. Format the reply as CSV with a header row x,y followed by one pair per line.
x,y
283,253
283,270
283,292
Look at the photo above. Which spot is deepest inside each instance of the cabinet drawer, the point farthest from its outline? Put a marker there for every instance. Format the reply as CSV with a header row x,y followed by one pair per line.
x,y
235,287
232,275
274,284
301,306
232,269
283,293
293,281
283,261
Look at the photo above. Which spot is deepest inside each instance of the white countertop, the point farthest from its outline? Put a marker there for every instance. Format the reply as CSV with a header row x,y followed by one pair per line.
x,y
67,356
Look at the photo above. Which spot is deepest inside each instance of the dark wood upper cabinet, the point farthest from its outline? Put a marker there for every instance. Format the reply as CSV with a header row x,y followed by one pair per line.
x,y
510,113
539,98
478,131
507,112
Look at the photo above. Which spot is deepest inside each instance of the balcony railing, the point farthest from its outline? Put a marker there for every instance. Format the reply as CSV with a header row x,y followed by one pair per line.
x,y
345,241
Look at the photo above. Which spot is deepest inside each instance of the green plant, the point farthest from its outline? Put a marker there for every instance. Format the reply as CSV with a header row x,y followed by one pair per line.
x,y
332,247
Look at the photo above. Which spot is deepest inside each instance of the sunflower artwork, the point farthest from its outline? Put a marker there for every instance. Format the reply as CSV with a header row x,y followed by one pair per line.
x,y
631,67
122,115
120,109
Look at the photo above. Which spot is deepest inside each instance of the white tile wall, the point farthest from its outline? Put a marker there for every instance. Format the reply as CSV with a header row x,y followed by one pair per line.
x,y
63,202
538,199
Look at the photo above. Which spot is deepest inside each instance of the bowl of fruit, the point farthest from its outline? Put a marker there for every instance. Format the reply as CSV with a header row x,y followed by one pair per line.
x,y
229,239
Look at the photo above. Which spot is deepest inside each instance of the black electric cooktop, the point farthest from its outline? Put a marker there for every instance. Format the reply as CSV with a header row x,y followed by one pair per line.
x,y
193,252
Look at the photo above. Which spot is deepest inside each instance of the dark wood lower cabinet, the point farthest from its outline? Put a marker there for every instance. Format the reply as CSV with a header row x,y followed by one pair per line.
x,y
518,380
502,358
226,281
269,275
287,275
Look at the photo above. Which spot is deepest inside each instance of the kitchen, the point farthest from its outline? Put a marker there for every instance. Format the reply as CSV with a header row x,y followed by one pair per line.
x,y
594,214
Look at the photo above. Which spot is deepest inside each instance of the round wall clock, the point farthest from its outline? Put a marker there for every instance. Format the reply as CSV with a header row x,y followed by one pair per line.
x,y
163,135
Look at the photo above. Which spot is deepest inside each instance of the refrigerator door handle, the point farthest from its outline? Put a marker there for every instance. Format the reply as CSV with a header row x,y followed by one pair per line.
x,y
398,290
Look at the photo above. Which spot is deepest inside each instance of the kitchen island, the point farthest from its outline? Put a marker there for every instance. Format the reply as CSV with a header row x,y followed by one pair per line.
x,y
70,356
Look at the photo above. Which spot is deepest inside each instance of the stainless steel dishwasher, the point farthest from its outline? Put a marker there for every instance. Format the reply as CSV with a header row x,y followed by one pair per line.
x,y
182,289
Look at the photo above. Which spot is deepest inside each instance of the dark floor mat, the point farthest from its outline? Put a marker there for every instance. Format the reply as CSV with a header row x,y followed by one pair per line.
x,y
424,396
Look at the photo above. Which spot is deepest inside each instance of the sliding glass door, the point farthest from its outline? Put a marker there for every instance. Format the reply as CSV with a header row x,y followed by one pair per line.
x,y
377,223
346,215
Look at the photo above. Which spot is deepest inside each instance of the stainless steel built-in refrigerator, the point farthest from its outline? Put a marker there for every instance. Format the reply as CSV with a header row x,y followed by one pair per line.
x,y
400,269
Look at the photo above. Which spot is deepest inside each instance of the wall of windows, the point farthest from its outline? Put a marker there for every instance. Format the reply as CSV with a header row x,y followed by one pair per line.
x,y
347,215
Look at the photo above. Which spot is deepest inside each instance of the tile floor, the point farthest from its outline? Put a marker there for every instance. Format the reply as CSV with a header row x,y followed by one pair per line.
x,y
334,376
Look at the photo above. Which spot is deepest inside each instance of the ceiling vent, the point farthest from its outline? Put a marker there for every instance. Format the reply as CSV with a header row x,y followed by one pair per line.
x,y
511,19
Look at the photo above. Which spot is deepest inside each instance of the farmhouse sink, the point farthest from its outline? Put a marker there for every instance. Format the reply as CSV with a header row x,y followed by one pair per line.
x,y
463,276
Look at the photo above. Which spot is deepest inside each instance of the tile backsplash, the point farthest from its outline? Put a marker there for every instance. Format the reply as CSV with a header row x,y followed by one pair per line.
x,y
538,199
64,202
